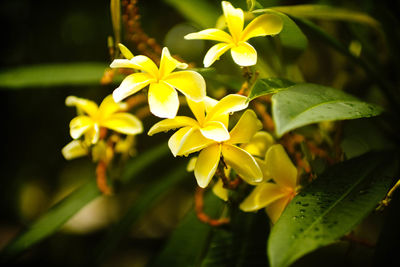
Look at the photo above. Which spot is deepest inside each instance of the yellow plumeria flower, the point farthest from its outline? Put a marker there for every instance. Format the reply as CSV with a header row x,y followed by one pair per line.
x,y
212,151
163,98
108,115
274,197
211,122
242,52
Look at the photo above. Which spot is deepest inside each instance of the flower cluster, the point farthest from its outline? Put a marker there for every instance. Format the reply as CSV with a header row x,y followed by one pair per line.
x,y
243,151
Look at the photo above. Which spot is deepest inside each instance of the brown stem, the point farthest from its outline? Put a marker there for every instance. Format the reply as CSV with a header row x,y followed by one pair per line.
x,y
101,178
199,206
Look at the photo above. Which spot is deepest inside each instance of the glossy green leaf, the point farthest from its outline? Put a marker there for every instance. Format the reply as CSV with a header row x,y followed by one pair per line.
x,y
268,86
331,206
304,104
200,12
327,13
48,75
51,221
190,240
154,192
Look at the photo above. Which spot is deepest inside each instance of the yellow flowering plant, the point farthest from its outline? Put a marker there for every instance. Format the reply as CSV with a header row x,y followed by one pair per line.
x,y
265,140
242,52
162,81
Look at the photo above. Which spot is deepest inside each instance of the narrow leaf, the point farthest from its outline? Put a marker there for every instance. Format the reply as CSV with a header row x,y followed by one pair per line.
x,y
189,241
48,75
331,206
51,221
328,13
304,104
269,86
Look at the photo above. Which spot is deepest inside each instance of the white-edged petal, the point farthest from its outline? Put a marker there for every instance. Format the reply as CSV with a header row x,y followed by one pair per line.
x,y
79,125
215,130
267,24
170,124
263,195
210,34
245,128
189,83
207,164
215,52
131,84
242,162
163,100
244,54
123,122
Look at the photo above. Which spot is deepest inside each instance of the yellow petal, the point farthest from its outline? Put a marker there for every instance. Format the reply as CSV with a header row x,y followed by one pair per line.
x,y
245,128
215,130
244,54
79,125
198,109
242,162
219,190
176,141
259,144
214,53
234,19
145,64
209,104
87,106
189,83
207,164
267,24
263,167
124,123
131,84
109,106
228,104
74,149
191,164
275,209
168,63
210,34
263,195
163,100
169,124
194,142
281,167
92,135
125,51
123,63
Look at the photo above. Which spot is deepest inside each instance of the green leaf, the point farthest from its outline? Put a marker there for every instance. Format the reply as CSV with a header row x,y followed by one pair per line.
x,y
331,206
304,104
328,13
198,11
48,75
269,86
51,221
147,199
291,37
189,241
242,244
